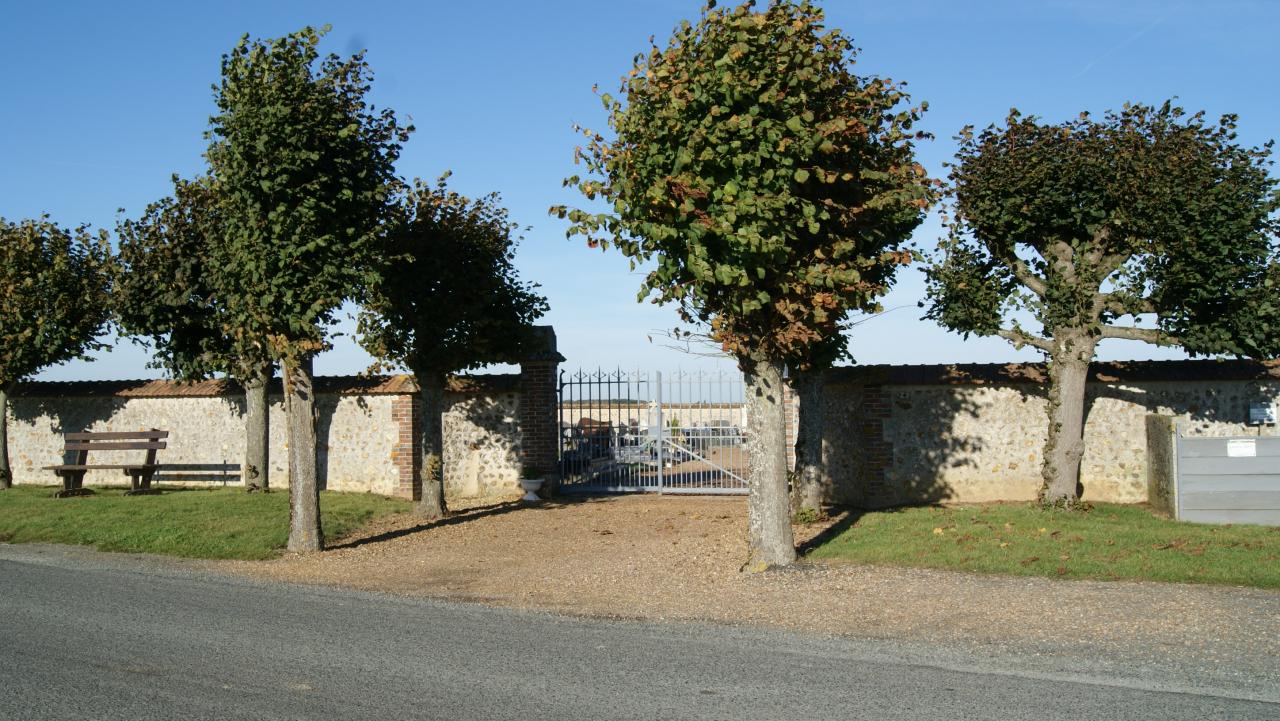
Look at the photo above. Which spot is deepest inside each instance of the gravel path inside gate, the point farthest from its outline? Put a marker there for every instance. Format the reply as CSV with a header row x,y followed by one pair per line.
x,y
678,558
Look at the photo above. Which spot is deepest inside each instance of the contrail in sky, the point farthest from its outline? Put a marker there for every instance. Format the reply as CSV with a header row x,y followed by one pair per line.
x,y
1108,53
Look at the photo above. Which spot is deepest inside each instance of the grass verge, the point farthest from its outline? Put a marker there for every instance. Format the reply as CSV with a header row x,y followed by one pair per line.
x,y
1109,542
191,522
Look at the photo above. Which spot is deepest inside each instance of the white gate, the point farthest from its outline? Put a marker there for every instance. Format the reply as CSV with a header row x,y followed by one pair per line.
x,y
642,431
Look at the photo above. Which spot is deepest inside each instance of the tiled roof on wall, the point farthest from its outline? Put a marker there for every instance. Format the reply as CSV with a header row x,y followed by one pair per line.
x,y
1099,372
341,385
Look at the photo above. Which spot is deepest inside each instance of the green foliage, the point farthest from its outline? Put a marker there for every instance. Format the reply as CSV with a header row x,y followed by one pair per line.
x,y
1148,210
1109,542
195,523
969,290
303,168
770,186
805,516
54,286
163,289
449,298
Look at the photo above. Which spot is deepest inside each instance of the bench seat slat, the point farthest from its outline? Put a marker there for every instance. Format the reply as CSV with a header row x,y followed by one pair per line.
x,y
117,435
101,466
114,445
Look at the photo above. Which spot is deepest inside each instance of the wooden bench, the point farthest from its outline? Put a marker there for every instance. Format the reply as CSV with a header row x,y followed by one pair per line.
x,y
72,474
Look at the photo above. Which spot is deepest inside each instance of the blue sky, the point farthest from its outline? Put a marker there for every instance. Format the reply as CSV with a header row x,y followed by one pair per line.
x,y
101,102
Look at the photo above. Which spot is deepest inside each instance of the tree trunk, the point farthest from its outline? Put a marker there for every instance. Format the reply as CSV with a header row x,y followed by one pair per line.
x,y
431,388
304,491
810,475
257,431
1068,373
6,472
769,539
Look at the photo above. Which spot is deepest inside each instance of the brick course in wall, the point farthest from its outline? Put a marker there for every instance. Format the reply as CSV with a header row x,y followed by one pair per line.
x,y
791,422
406,413
878,451
539,445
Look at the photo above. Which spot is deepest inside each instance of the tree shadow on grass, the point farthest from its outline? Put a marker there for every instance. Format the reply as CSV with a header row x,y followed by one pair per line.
x,y
469,515
845,519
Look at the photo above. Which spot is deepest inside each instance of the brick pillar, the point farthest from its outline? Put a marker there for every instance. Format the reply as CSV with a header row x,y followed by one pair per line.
x,y
791,421
406,412
878,452
539,422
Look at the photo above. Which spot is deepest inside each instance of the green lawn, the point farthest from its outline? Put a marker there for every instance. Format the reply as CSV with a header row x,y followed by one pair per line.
x,y
1108,542
197,523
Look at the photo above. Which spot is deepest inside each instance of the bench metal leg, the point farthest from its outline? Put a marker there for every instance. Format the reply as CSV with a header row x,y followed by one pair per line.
x,y
72,485
140,485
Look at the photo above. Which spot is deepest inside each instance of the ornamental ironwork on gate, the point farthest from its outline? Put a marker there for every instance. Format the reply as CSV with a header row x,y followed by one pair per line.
x,y
634,431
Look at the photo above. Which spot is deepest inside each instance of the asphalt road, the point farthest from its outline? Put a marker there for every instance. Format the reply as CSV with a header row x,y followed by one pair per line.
x,y
85,636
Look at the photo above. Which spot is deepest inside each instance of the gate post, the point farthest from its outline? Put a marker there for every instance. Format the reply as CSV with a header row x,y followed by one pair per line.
x,y
539,423
662,426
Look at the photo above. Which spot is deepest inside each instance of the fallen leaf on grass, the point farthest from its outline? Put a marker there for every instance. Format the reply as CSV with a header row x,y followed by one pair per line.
x,y
1030,560
938,531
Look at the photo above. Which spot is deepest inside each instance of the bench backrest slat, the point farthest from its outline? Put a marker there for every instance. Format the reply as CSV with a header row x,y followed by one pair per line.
x,y
115,446
115,435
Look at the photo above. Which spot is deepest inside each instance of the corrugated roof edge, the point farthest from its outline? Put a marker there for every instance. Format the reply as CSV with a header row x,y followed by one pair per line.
x,y
1099,372
340,385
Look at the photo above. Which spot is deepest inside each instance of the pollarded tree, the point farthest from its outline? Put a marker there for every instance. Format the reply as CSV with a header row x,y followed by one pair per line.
x,y
1083,224
54,286
304,171
771,188
163,291
449,300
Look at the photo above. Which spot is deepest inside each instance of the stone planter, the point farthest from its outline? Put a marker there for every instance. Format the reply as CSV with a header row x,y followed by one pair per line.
x,y
531,486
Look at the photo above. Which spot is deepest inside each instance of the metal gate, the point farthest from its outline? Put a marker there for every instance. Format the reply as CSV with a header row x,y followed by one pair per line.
x,y
626,431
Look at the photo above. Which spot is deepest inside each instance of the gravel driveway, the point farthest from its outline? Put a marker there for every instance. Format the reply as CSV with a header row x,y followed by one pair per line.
x,y
678,558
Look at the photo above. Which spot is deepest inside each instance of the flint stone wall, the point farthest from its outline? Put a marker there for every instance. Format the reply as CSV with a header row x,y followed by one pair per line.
x,y
363,444
969,433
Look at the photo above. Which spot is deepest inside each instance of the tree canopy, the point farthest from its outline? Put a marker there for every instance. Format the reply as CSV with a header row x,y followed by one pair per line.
x,y
449,298
54,289
164,290
304,168
1078,226
767,189
769,185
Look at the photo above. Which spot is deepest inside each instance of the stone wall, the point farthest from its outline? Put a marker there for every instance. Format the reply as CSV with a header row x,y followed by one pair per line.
x,y
366,432
919,434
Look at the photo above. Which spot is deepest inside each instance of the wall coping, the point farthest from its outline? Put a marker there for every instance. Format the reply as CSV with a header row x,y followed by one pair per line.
x,y
1035,373
339,385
